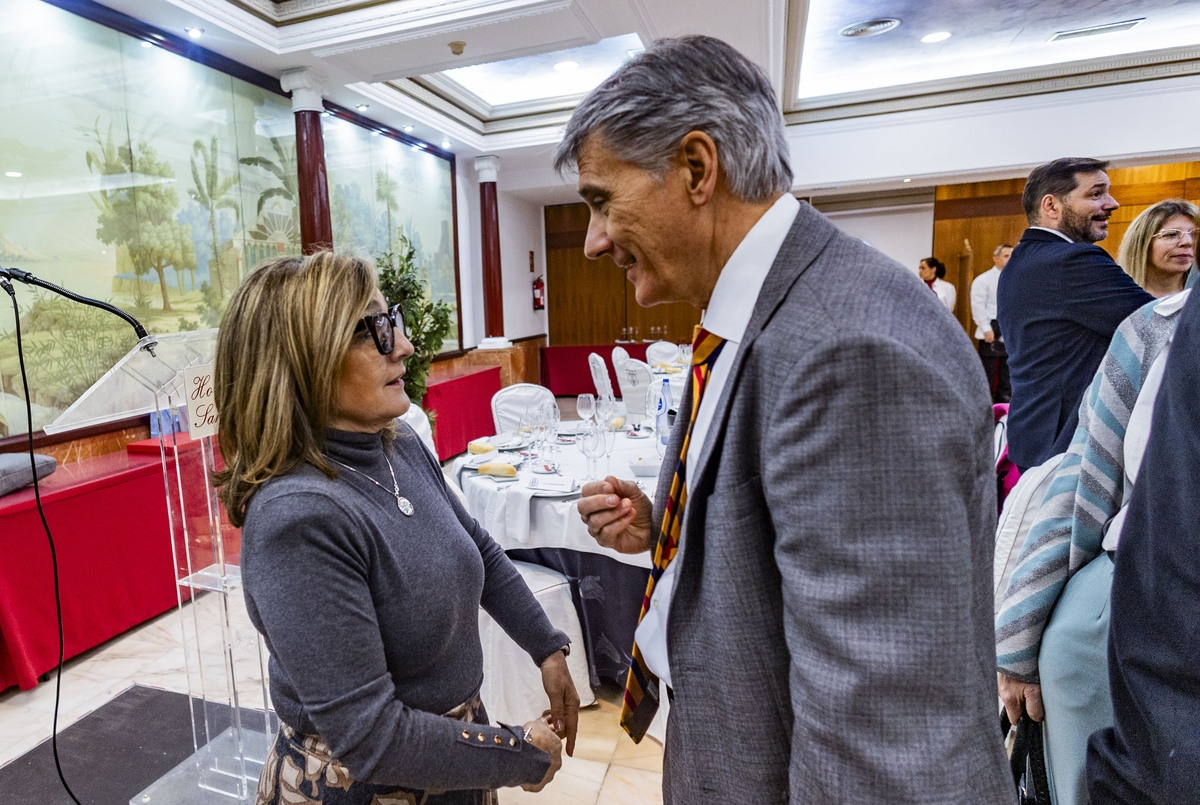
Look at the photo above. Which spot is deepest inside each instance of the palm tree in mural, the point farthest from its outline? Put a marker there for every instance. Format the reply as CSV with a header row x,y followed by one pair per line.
x,y
385,191
211,192
107,161
284,172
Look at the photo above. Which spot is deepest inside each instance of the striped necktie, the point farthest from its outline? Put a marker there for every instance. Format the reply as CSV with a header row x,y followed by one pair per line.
x,y
641,687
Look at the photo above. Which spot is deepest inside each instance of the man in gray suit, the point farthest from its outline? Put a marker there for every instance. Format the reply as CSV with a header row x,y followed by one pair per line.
x,y
829,635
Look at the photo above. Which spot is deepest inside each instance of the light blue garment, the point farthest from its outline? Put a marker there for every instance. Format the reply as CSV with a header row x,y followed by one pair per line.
x,y
1074,672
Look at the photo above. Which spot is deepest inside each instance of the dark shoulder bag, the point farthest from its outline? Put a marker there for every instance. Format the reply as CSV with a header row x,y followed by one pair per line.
x,y
1028,761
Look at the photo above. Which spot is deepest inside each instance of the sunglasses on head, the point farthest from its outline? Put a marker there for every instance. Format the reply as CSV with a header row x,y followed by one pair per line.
x,y
383,327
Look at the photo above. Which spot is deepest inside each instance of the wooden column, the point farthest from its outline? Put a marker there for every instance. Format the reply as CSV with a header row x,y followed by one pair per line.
x,y
316,227
493,286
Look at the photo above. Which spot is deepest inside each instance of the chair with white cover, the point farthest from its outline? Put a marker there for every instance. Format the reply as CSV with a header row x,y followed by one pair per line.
x,y
418,420
600,375
512,688
510,403
619,356
635,378
662,352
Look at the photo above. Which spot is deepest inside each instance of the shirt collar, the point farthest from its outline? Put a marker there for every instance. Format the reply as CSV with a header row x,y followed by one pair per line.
x,y
1055,231
1170,305
741,278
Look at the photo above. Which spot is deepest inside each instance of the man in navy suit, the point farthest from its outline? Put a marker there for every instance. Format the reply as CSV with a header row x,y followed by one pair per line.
x,y
1151,754
1060,299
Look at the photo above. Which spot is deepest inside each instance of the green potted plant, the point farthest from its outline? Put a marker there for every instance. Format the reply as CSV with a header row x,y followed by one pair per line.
x,y
428,323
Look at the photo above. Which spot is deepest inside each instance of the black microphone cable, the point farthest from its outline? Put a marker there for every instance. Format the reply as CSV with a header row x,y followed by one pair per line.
x,y
37,494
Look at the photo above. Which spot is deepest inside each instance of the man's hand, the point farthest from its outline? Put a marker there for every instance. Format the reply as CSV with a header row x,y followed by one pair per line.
x,y
617,514
541,736
989,336
564,699
1020,697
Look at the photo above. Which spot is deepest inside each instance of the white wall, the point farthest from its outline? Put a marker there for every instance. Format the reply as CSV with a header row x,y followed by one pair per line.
x,y
521,225
904,234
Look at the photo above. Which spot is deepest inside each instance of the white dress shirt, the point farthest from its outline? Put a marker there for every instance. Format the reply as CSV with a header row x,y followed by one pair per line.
x,y
728,315
983,301
946,293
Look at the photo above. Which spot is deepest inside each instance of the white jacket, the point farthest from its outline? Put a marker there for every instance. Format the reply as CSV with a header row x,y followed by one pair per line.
x,y
983,301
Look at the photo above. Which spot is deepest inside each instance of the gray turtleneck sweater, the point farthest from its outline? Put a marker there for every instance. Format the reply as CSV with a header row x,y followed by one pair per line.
x,y
371,617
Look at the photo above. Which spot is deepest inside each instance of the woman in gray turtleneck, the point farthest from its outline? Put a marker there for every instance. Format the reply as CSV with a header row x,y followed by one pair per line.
x,y
361,570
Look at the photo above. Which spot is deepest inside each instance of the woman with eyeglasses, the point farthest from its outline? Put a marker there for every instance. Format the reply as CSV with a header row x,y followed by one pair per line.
x,y
1159,248
361,569
1052,630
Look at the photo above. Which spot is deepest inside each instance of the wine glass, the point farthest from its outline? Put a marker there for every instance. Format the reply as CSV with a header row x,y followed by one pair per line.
x,y
605,405
585,406
591,444
551,416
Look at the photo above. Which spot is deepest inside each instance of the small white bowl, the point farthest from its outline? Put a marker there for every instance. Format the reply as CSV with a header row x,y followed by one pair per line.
x,y
640,466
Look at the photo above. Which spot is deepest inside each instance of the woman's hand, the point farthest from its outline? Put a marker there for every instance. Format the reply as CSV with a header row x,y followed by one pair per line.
x,y
1019,697
541,736
617,515
564,699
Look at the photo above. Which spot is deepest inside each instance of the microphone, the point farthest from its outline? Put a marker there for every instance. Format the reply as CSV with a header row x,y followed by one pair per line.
x,y
30,279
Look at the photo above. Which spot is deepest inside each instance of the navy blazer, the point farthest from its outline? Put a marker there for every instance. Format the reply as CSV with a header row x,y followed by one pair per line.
x,y
1151,754
1059,304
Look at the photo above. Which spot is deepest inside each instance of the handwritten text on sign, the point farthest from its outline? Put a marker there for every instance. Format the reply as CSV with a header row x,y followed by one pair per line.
x,y
202,411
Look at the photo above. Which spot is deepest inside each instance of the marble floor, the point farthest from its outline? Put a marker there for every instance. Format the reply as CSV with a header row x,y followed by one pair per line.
x,y
607,769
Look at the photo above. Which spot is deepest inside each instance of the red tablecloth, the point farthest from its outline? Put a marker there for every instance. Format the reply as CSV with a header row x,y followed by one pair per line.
x,y
461,408
565,369
108,516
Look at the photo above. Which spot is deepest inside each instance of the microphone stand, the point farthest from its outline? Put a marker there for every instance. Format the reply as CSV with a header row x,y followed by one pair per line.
x,y
30,279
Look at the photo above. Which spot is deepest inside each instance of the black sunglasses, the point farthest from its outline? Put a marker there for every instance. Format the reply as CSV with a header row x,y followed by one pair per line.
x,y
382,327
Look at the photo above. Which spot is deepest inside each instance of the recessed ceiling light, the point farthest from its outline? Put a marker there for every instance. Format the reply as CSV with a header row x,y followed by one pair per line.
x,y
416,148
408,129
564,66
940,36
445,143
906,181
194,33
362,107
870,27
13,174
146,44
374,134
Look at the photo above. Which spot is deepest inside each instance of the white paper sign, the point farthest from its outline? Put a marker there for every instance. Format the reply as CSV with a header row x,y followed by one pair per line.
x,y
201,408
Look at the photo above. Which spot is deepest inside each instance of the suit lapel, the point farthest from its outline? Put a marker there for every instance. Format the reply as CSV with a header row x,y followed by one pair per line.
x,y
809,234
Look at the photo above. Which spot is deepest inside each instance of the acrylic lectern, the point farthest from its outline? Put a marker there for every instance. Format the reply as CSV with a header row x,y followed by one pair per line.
x,y
231,719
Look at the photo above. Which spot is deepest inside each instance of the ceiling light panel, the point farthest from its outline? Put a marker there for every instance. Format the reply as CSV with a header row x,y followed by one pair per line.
x,y
534,78
988,38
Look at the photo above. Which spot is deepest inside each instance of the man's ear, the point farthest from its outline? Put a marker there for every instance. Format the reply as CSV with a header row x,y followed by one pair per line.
x,y
1050,210
698,154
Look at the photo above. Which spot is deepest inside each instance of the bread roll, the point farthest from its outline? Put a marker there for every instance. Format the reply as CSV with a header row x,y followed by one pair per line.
x,y
501,469
477,448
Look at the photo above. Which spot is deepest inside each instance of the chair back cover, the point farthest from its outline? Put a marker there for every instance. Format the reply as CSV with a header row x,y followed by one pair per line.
x,y
619,356
636,379
418,420
510,403
600,375
662,352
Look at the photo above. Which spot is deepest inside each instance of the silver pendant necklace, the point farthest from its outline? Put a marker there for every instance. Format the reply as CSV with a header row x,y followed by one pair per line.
x,y
402,503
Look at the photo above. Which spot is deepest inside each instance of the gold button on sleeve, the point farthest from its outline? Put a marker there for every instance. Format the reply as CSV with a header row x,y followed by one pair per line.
x,y
499,740
482,738
512,741
466,734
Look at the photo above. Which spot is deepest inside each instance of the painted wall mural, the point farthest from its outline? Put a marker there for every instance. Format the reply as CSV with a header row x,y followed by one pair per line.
x,y
139,177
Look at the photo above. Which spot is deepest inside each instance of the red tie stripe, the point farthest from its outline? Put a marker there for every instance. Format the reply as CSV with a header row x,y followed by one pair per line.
x,y
641,687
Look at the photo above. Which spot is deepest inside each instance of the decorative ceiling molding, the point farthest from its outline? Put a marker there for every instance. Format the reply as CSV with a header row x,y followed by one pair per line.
x,y
457,95
442,25
1136,67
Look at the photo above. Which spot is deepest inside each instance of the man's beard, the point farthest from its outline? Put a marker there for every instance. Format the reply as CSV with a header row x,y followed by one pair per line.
x,y
1079,227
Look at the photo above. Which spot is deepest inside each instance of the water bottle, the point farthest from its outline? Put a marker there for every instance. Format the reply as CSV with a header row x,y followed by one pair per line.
x,y
662,429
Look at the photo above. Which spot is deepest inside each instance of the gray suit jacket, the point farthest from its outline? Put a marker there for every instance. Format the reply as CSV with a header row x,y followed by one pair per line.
x,y
830,636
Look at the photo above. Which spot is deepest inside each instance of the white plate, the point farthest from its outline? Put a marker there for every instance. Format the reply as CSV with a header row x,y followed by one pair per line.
x,y
570,427
632,434
546,493
476,462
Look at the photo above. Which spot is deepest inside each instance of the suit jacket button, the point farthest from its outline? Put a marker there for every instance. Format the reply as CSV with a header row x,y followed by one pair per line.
x,y
482,738
512,741
466,734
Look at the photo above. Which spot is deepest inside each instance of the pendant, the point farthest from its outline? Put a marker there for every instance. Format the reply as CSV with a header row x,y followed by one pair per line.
x,y
404,506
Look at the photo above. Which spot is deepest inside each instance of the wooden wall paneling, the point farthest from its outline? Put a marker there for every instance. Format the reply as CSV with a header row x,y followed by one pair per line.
x,y
678,317
585,299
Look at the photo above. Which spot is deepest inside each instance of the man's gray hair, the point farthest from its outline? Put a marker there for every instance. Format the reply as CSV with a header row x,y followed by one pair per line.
x,y
1000,248
693,83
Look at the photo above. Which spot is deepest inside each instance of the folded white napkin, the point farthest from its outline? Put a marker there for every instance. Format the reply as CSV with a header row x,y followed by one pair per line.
x,y
549,483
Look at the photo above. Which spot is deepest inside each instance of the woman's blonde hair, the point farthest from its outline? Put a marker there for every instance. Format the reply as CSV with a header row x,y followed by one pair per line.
x,y
1134,254
279,351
